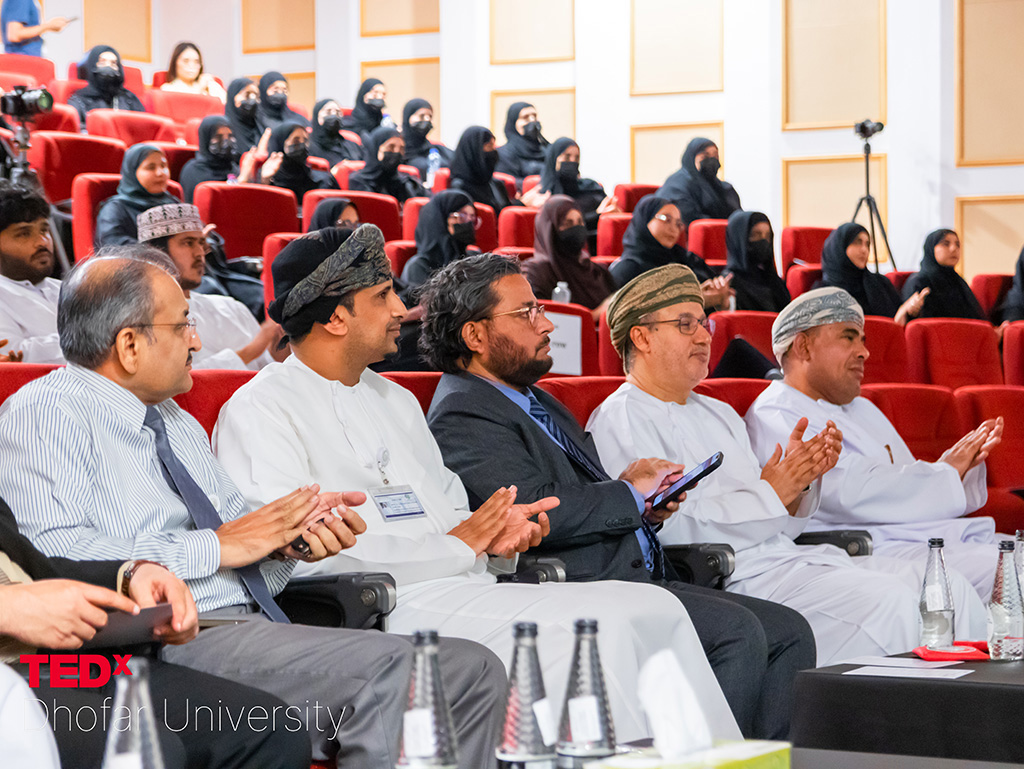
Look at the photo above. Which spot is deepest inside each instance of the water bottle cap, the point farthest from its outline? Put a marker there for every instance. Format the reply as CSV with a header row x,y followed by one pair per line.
x,y
586,624
1006,546
936,542
424,637
524,630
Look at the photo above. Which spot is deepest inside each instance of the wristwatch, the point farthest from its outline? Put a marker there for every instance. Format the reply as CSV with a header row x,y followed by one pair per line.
x,y
128,571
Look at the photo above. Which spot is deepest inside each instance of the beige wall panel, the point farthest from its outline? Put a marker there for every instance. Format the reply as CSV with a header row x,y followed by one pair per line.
x,y
556,110
656,35
657,149
301,88
278,25
398,17
990,92
408,79
833,62
991,233
124,26
532,30
822,192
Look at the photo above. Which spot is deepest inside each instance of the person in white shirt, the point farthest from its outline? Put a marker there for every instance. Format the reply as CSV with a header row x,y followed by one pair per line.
x,y
28,295
855,606
877,484
232,339
323,414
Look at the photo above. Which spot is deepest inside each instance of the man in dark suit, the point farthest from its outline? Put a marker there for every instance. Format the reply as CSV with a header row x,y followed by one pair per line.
x,y
485,330
58,604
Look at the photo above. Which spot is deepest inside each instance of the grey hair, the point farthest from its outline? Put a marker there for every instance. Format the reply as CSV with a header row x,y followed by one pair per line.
x,y
94,307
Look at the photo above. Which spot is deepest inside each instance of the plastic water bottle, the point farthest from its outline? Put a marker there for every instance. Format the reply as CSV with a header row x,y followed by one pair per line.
x,y
433,164
1005,620
528,735
132,741
1018,557
937,611
428,734
586,731
561,292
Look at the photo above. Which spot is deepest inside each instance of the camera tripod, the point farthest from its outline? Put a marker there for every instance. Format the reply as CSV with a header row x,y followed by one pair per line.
x,y
867,199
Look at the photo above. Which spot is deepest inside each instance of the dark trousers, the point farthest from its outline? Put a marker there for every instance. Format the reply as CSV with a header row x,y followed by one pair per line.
x,y
755,648
183,700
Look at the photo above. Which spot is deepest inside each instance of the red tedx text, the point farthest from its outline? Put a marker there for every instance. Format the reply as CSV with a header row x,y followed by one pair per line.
x,y
76,671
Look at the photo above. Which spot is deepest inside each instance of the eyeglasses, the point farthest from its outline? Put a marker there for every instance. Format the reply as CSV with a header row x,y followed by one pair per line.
x,y
678,223
462,218
189,325
533,313
687,324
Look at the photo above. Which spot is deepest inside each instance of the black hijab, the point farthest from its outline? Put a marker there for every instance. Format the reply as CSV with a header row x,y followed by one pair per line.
x,y
268,116
470,167
435,246
641,251
328,211
364,118
246,131
875,293
375,177
416,143
522,148
754,277
699,196
293,175
950,296
331,145
1013,305
206,167
562,183
104,92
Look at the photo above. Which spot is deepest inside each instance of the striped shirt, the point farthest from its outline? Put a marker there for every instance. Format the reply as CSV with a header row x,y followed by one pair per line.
x,y
81,470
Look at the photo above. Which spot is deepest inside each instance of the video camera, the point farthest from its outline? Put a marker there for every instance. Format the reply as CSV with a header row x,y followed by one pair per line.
x,y
865,129
22,103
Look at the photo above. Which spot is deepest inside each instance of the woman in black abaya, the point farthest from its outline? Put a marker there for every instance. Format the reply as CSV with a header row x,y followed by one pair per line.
x,y
241,110
696,189
949,296
217,159
105,74
473,169
446,227
368,112
523,152
417,123
273,109
326,141
286,167
750,260
381,174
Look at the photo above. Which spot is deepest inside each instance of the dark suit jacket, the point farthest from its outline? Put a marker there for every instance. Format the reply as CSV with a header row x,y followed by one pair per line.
x,y
490,442
38,566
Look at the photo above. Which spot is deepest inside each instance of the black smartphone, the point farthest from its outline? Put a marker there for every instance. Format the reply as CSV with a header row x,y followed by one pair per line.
x,y
687,482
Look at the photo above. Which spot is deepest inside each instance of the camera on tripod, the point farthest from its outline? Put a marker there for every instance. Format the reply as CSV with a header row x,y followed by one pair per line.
x,y
22,103
865,129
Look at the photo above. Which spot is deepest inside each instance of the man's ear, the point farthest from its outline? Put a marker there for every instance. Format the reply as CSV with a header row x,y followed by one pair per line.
x,y
128,346
801,348
339,324
640,336
474,336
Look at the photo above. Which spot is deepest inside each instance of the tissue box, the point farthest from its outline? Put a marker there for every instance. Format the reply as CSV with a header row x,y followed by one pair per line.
x,y
748,754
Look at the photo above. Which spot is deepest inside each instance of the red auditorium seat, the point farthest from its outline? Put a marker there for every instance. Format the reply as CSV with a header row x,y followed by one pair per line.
x,y
60,118
509,181
608,361
887,361
58,157
531,181
802,245
36,67
487,231
272,245
738,393
300,108
10,79
374,208
925,416
990,291
246,213
181,107
87,192
441,179
191,131
14,376
801,278
707,240
522,253
422,384
753,326
515,226
581,395
604,261
953,352
587,364
399,252
1013,353
61,90
177,156
898,278
130,127
628,195
610,229
159,78
411,215
211,389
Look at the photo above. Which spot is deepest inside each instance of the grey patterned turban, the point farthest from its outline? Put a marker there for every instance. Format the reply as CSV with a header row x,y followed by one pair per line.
x,y
815,308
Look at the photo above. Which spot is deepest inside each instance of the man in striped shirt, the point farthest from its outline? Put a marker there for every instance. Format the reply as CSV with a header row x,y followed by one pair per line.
x,y
100,463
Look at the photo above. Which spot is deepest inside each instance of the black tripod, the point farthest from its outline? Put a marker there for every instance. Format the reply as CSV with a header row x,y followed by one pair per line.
x,y
872,205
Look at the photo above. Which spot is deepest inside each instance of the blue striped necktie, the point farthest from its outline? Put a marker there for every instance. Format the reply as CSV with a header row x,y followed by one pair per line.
x,y
570,447
204,515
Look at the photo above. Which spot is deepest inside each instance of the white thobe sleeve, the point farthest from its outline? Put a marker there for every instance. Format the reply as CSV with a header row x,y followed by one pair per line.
x,y
25,734
44,348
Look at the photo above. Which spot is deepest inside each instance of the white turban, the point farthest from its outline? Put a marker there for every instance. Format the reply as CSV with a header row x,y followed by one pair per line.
x,y
810,310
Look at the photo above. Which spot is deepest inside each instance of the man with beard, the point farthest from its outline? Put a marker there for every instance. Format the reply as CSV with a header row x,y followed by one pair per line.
x,y
486,331
232,339
323,415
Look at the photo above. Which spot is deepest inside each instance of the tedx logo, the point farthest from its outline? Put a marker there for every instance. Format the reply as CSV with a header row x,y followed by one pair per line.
x,y
76,671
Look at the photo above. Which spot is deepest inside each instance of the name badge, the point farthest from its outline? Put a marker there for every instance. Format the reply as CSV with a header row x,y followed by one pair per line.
x,y
397,503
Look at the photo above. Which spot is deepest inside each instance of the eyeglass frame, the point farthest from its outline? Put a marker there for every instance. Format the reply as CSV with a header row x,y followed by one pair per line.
x,y
462,218
707,323
531,313
679,223
189,324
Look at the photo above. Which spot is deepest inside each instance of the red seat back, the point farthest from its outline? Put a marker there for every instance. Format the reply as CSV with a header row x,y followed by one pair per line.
x,y
374,208
441,179
211,389
487,232
10,79
801,279
802,244
516,226
36,67
925,416
58,157
60,118
159,78
887,361
898,278
272,245
61,90
990,291
707,239
14,376
531,181
509,181
608,361
411,215
738,393
953,352
610,229
522,253
1013,353
628,195
88,191
130,127
182,107
576,319
177,156
755,327
422,384
246,213
399,252
191,131
1005,464
581,395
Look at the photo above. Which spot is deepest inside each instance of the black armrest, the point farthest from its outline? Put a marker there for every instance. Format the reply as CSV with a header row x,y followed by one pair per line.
x,y
853,541
356,601
706,564
535,569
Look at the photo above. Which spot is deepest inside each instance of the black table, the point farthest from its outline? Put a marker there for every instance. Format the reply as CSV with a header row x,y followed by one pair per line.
x,y
806,758
978,717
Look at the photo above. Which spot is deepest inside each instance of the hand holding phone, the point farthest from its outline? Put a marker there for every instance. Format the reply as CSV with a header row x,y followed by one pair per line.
x,y
676,490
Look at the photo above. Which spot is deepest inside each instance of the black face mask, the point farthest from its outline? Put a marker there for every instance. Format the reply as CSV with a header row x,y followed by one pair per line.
x,y
297,152
491,160
709,167
572,240
247,109
759,252
421,128
464,233
532,130
391,161
375,105
569,174
277,101
223,149
332,123
107,79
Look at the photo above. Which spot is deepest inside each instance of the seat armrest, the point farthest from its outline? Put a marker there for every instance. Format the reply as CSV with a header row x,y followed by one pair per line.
x,y
706,564
535,569
853,541
357,601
